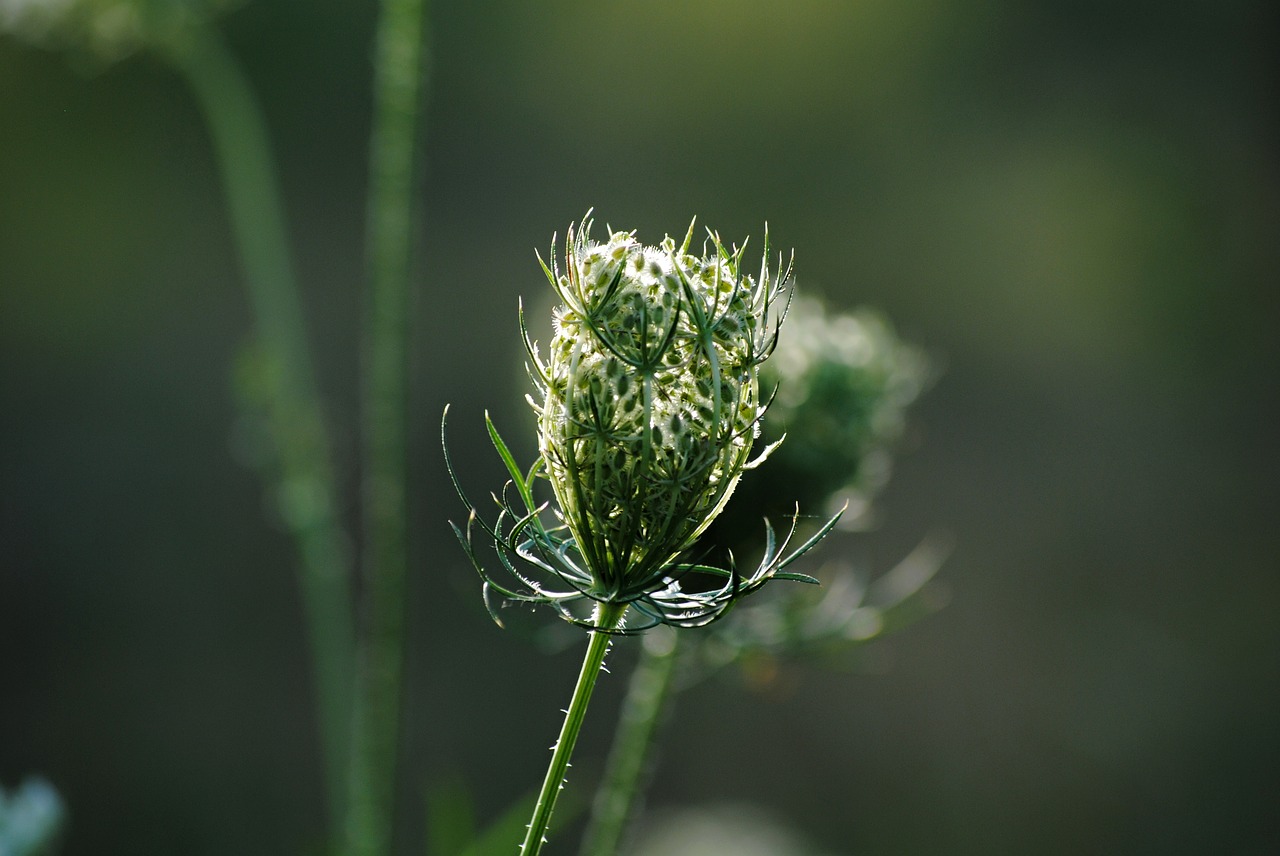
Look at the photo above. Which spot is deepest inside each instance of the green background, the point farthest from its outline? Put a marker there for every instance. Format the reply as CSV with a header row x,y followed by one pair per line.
x,y
1072,206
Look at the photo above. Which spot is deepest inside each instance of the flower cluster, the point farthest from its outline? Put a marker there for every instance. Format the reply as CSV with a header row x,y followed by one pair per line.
x,y
844,382
649,405
650,397
107,29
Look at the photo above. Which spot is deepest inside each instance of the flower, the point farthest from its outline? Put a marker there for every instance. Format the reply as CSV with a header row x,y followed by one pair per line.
x,y
650,397
108,29
844,381
649,405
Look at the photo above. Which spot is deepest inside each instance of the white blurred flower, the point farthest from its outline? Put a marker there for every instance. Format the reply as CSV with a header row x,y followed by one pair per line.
x,y
106,29
740,830
33,16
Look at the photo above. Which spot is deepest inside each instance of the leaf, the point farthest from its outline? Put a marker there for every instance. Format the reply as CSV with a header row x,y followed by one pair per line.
x,y
517,477
797,578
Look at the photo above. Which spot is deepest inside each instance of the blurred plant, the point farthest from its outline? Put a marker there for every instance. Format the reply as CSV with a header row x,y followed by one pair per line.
x,y
357,676
650,406
843,384
107,30
31,819
398,87
279,389
718,830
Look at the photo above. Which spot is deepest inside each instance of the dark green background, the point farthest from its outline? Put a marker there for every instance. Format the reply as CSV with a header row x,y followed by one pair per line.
x,y
1072,205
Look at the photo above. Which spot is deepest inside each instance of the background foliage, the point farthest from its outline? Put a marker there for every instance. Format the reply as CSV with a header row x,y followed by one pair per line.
x,y
1073,205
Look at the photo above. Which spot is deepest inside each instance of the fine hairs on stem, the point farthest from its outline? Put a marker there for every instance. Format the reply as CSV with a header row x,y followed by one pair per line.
x,y
608,616
625,770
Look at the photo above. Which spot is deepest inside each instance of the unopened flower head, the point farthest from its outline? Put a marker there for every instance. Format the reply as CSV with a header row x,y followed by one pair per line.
x,y
650,399
844,381
649,403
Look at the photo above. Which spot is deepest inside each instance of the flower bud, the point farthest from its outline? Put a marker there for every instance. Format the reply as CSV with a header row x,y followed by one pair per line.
x,y
650,397
650,402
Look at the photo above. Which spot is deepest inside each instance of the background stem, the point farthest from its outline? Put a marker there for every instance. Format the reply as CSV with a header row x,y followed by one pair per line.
x,y
608,616
298,432
398,84
627,770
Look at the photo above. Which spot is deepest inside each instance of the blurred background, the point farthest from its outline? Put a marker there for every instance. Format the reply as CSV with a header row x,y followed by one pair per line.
x,y
1073,207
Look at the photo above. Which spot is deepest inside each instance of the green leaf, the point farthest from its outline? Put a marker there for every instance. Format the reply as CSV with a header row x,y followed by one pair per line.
x,y
797,578
517,477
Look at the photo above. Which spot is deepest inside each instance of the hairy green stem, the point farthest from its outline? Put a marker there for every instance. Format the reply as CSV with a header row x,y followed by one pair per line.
x,y
608,616
243,153
398,85
643,710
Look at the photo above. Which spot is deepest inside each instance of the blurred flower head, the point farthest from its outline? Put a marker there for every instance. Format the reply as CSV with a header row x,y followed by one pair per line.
x,y
105,29
31,819
844,383
743,830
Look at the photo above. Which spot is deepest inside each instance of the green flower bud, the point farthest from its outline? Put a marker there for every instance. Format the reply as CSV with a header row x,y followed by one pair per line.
x,y
649,405
844,382
651,399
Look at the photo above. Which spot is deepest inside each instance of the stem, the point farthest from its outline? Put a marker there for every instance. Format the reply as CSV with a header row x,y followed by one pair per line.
x,y
241,148
608,616
643,710
398,84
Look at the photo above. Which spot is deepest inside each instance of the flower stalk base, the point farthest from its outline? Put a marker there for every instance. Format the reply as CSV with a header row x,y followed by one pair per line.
x,y
608,617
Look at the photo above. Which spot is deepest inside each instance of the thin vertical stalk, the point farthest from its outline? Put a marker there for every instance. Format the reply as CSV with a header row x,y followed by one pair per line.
x,y
243,153
643,710
398,85
608,616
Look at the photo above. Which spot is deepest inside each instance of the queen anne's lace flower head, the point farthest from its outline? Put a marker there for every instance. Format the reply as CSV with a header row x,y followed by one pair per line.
x,y
650,399
649,405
